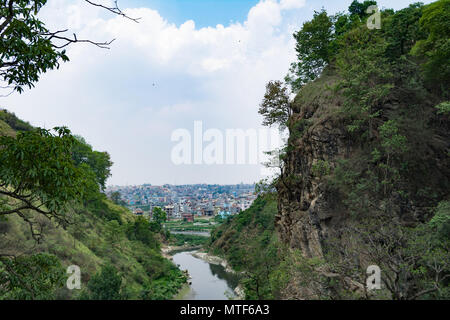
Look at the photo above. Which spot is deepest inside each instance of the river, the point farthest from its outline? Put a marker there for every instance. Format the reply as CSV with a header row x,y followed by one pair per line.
x,y
209,281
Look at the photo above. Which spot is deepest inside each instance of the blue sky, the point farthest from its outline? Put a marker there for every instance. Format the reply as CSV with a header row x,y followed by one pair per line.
x,y
184,62
204,12
212,12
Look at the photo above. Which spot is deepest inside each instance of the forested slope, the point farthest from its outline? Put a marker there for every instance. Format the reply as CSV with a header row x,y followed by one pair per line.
x,y
118,254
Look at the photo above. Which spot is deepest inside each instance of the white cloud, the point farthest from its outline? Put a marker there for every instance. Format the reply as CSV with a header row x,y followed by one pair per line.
x,y
156,78
292,4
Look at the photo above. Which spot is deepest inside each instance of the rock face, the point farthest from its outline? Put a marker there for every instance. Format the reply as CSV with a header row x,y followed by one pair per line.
x,y
305,211
308,211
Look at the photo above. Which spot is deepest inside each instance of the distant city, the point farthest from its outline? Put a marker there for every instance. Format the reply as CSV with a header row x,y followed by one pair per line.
x,y
186,201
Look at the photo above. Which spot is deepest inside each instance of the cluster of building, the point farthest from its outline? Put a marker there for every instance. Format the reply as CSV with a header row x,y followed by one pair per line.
x,y
187,201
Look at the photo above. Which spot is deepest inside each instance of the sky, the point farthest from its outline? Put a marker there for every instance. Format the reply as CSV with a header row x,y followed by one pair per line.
x,y
185,61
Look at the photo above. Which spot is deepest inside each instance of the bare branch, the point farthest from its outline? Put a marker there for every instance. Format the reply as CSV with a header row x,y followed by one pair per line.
x,y
56,35
114,10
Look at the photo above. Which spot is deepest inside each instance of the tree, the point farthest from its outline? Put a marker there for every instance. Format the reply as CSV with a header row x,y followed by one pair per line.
x,y
265,186
276,106
114,232
38,175
430,243
367,77
159,215
28,48
261,257
34,277
415,260
403,30
105,285
360,9
440,222
14,122
116,197
435,49
141,230
313,49
99,162
393,146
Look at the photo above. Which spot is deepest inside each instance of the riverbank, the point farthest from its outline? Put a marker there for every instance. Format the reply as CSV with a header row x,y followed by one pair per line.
x,y
183,292
205,256
213,260
168,251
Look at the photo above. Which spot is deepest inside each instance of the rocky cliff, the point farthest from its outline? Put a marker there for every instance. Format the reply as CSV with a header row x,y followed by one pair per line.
x,y
309,211
305,216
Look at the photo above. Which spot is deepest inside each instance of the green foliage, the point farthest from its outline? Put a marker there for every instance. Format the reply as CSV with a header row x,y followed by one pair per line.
x,y
402,30
295,270
435,49
299,128
377,69
372,185
14,122
39,163
313,47
97,204
367,77
441,221
34,277
392,142
38,175
98,162
140,230
321,168
260,214
114,232
342,24
275,107
165,286
218,219
443,108
97,230
105,285
116,197
264,186
191,239
159,217
261,261
360,8
249,243
26,49
319,40
415,260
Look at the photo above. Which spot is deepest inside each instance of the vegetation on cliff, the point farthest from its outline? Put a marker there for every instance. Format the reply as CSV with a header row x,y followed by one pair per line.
x,y
250,245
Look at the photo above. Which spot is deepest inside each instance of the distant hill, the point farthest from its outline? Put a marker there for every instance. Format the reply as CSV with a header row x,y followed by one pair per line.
x,y
13,122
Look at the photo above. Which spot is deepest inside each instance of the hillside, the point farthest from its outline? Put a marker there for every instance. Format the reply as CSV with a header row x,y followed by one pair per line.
x,y
100,235
365,173
251,246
